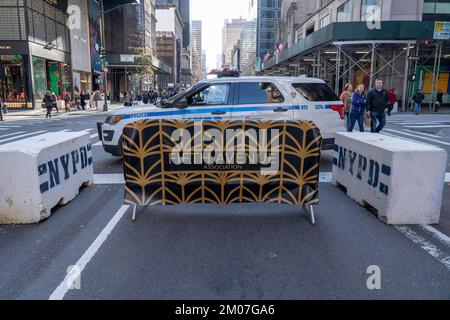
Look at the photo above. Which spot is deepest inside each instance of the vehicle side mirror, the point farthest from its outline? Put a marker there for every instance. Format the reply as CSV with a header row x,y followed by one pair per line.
x,y
182,104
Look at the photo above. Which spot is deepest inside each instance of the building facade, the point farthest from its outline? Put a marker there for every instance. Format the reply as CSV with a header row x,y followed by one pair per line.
x,y
169,39
35,54
231,33
358,41
197,50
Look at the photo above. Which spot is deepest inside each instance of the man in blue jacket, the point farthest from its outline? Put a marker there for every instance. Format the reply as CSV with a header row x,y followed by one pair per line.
x,y
377,102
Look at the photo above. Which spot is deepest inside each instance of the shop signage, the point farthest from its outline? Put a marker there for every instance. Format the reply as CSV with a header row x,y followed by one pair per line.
x,y
442,30
127,58
221,162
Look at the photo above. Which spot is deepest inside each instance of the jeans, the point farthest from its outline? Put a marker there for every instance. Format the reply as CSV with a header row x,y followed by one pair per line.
x,y
417,107
49,111
378,117
347,120
356,116
390,108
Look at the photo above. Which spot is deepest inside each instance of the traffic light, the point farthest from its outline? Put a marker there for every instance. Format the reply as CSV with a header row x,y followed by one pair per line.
x,y
102,53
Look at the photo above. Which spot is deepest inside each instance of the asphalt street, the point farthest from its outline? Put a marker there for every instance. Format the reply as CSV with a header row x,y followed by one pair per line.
x,y
255,251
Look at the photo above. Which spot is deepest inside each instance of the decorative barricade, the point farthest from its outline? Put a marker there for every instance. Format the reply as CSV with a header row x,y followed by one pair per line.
x,y
221,162
402,180
41,172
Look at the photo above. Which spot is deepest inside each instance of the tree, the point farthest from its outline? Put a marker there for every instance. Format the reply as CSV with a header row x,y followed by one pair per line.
x,y
143,57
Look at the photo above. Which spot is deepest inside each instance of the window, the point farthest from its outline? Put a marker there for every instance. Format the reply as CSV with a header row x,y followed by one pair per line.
x,y
345,12
259,92
316,92
216,94
325,21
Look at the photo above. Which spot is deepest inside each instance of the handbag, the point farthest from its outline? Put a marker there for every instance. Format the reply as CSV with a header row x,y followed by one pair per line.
x,y
368,120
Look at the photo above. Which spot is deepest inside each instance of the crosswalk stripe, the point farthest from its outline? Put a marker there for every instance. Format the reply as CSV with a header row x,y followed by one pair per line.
x,y
11,134
423,134
419,137
23,136
427,126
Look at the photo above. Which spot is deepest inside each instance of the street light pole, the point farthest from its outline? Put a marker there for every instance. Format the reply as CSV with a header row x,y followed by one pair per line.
x,y
105,105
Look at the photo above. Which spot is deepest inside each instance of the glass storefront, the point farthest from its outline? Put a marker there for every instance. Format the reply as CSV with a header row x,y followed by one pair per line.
x,y
40,78
13,80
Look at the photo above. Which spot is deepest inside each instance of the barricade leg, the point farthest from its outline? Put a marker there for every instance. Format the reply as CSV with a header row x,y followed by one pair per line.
x,y
311,212
134,213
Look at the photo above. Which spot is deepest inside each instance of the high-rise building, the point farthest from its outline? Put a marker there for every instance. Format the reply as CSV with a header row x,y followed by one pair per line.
x,y
169,32
231,34
130,34
184,6
203,64
197,50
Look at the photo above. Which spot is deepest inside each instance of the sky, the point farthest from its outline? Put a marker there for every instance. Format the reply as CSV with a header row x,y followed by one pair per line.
x,y
213,13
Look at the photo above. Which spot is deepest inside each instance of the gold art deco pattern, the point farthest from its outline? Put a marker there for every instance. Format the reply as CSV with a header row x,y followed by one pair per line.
x,y
152,180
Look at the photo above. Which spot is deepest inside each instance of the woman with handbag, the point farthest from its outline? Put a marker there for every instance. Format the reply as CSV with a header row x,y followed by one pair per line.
x,y
359,105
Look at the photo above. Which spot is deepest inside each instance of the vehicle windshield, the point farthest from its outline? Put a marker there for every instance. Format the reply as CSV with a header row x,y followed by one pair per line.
x,y
179,96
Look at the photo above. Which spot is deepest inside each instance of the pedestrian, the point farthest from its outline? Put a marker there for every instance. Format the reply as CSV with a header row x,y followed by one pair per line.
x,y
83,100
346,98
138,98
77,100
128,101
358,106
1,108
145,97
418,99
67,99
377,102
97,98
55,102
439,100
392,100
48,104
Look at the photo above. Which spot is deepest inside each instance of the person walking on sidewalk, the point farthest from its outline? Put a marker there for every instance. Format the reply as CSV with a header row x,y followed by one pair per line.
x,y
359,105
67,99
1,108
77,100
439,100
392,100
48,104
377,102
418,99
346,98
97,98
83,100
55,102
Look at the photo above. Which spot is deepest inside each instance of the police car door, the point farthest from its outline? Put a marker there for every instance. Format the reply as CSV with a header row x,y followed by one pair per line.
x,y
212,102
261,100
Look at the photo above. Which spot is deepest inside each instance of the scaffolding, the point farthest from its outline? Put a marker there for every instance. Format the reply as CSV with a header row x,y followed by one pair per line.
x,y
341,62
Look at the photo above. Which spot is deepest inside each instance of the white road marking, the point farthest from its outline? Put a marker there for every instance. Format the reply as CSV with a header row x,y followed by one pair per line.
x,y
425,245
117,178
4,129
437,234
417,136
9,126
98,144
423,134
94,136
326,177
63,288
23,136
12,134
428,126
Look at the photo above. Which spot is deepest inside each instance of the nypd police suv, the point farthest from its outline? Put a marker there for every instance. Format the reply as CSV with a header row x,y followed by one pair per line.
x,y
238,98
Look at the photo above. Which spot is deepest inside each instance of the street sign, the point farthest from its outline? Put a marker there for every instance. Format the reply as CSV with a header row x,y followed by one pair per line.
x,y
442,30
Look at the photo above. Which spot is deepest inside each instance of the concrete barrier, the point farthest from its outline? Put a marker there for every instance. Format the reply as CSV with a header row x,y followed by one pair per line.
x,y
41,172
402,180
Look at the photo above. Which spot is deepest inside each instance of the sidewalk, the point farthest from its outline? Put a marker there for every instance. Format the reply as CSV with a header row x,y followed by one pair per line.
x,y
40,112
